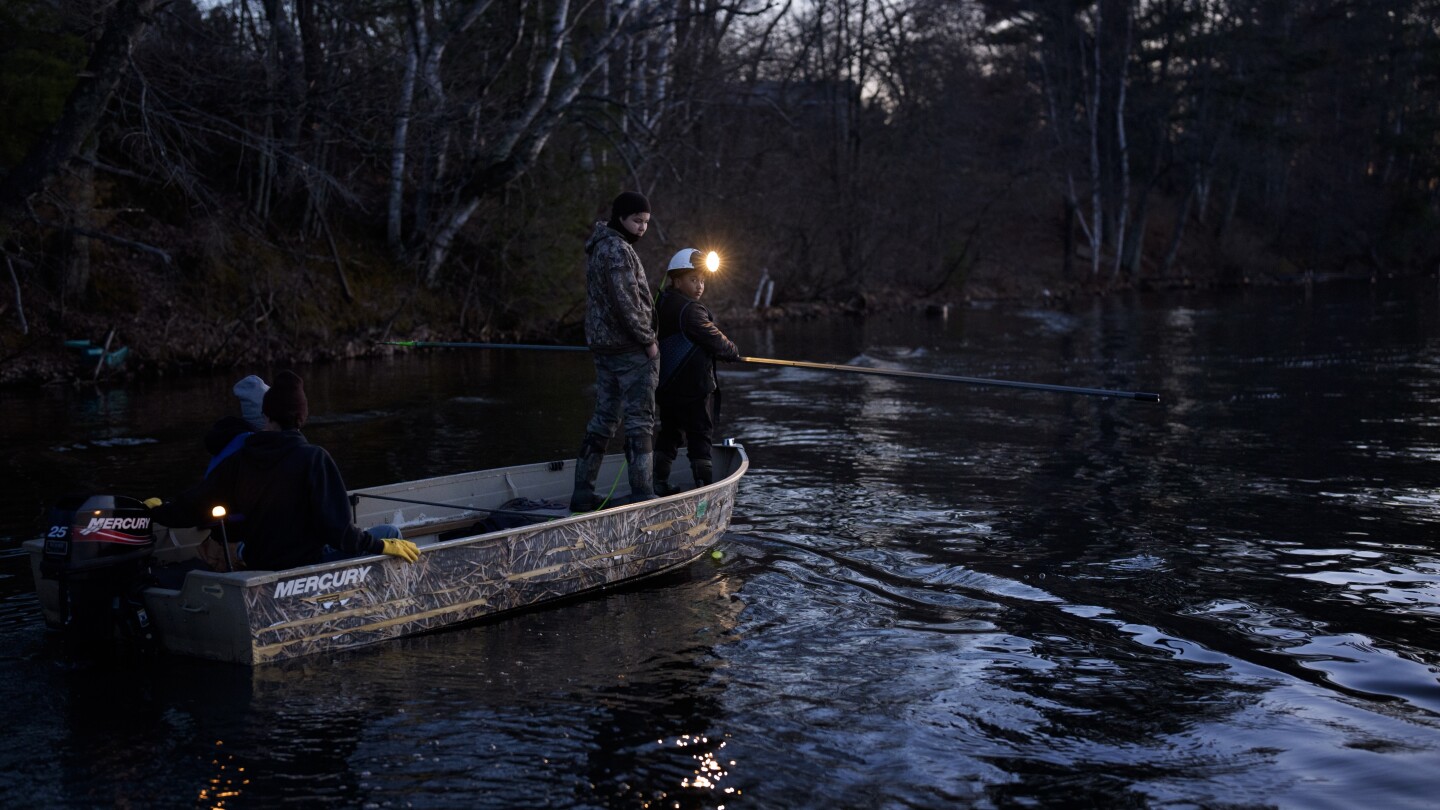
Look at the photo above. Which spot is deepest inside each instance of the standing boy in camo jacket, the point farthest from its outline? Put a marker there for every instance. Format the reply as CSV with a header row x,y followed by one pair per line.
x,y
620,332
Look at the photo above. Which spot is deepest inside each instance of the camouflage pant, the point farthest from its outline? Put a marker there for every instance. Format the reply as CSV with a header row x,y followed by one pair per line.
x,y
624,385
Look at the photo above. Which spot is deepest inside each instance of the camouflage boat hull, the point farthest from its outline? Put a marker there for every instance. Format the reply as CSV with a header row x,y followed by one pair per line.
x,y
255,617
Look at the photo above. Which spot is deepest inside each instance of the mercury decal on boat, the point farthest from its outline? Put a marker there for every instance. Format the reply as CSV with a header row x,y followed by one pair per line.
x,y
114,523
115,530
321,582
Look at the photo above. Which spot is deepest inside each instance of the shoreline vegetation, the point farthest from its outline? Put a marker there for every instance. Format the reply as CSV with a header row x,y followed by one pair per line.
x,y
157,340
188,187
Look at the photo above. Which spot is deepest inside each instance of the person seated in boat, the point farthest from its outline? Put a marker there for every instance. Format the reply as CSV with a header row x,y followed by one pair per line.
x,y
690,343
229,433
286,503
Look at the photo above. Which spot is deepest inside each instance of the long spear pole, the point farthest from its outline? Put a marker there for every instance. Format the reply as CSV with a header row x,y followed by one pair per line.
x,y
914,375
920,375
436,344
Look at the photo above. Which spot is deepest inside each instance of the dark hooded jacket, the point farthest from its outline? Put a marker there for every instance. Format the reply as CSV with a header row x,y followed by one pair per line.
x,y
690,343
285,501
618,311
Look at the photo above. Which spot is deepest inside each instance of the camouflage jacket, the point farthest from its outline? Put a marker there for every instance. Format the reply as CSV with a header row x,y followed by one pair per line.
x,y
618,315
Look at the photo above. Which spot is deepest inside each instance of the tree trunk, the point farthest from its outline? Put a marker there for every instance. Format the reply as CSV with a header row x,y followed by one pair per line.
x,y
440,245
1067,267
1179,233
1092,115
287,63
76,275
1134,252
415,40
1232,203
1122,211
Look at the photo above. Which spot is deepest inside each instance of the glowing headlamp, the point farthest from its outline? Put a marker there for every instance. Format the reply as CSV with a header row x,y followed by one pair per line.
x,y
689,259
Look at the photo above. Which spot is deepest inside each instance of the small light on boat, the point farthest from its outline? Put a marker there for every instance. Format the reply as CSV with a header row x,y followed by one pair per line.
x,y
712,261
717,554
217,512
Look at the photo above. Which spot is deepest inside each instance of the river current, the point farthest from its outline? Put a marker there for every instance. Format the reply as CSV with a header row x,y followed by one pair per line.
x,y
932,594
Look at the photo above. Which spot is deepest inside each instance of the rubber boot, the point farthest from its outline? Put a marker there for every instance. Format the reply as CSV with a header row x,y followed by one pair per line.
x,y
587,467
662,473
703,471
639,452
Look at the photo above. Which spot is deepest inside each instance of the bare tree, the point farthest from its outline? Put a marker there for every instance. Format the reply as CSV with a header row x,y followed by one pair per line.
x,y
109,59
429,28
563,56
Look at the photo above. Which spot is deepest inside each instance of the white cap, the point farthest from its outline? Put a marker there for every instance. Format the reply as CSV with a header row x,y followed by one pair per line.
x,y
684,260
251,392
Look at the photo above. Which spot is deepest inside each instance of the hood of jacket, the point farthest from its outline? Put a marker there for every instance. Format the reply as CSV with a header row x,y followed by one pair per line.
x,y
602,233
269,447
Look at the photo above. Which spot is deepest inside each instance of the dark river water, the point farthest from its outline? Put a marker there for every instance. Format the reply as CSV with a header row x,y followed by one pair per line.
x,y
932,595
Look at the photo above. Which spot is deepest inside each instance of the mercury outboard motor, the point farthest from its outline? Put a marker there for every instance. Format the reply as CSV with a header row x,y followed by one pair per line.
x,y
97,550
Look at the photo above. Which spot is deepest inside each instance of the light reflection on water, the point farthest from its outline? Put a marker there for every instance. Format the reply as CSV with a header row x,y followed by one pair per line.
x,y
932,595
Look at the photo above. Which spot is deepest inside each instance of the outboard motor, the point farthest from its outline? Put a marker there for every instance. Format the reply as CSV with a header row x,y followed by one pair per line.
x,y
97,550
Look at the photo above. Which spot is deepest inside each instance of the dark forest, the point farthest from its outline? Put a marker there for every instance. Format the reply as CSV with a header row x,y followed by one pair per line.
x,y
215,184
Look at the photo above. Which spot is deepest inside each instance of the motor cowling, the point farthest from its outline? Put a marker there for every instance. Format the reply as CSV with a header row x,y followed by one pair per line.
x,y
99,533
97,548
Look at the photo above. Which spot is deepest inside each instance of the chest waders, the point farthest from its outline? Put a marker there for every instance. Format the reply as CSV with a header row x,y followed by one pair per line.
x,y
675,350
625,392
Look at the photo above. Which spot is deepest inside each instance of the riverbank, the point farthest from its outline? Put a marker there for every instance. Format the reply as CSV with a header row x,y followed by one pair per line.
x,y
154,330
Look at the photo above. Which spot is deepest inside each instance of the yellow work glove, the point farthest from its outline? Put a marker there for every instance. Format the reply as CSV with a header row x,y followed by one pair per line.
x,y
404,549
151,503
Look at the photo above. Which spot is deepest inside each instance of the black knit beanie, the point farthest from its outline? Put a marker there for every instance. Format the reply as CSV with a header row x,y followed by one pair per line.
x,y
285,402
629,202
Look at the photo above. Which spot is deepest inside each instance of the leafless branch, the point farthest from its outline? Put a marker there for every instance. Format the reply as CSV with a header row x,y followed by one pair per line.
x,y
140,247
19,298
